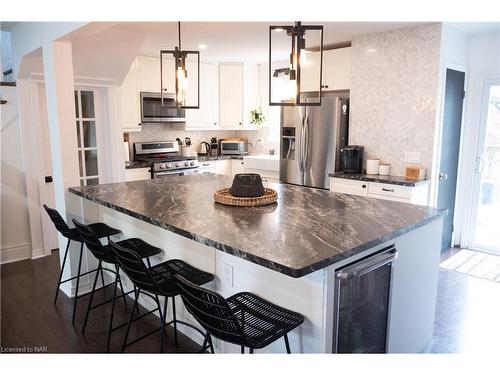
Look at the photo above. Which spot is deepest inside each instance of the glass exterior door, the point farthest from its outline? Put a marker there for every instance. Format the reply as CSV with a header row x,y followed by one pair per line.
x,y
86,137
485,227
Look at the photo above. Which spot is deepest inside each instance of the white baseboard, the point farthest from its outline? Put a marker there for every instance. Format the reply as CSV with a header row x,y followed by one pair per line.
x,y
15,253
38,253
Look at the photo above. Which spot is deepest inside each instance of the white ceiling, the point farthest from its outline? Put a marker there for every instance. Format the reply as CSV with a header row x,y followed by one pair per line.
x,y
240,41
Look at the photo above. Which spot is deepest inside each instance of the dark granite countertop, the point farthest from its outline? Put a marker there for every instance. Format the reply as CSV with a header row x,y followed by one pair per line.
x,y
307,230
146,164
393,180
137,164
220,157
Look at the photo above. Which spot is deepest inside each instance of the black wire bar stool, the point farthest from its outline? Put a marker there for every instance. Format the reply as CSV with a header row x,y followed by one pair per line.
x,y
154,282
243,319
103,253
100,229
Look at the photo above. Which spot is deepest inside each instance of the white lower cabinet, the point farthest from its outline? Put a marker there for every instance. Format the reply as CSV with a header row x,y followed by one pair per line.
x,y
136,174
237,166
417,194
223,167
208,166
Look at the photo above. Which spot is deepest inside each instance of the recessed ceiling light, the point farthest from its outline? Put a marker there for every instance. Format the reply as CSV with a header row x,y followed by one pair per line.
x,y
202,46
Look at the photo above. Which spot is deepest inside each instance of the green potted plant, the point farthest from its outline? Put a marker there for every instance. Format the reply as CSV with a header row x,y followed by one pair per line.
x,y
257,117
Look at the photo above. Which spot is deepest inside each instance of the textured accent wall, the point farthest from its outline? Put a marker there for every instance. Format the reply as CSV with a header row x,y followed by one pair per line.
x,y
394,94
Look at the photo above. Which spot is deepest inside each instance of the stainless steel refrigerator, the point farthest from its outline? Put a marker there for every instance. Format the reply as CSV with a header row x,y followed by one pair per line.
x,y
311,139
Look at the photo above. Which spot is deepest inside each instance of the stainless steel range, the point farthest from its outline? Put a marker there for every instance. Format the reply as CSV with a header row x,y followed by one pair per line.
x,y
165,159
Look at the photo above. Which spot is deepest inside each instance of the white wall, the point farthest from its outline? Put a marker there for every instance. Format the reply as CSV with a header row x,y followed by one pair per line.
x,y
394,94
15,234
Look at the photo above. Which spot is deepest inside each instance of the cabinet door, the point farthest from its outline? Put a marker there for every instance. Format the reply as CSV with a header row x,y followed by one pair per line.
x,y
149,74
231,95
341,185
237,166
337,69
223,167
309,78
130,100
250,91
207,115
136,174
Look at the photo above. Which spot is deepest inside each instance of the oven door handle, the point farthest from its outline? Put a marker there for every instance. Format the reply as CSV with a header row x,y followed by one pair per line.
x,y
362,268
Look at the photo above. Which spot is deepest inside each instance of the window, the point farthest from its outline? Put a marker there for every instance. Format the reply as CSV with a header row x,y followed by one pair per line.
x,y
86,137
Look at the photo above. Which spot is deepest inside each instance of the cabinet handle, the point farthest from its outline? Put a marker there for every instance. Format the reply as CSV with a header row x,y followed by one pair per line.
x,y
389,190
363,186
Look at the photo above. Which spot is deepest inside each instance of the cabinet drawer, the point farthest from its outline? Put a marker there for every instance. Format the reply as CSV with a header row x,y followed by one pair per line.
x,y
341,185
389,190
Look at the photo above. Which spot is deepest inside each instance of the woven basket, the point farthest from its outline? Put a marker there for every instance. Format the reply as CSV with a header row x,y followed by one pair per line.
x,y
223,196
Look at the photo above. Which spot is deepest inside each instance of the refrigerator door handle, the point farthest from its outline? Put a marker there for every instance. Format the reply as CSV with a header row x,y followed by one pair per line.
x,y
301,144
306,141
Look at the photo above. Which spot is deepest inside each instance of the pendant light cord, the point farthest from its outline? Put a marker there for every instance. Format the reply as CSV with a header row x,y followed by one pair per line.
x,y
179,32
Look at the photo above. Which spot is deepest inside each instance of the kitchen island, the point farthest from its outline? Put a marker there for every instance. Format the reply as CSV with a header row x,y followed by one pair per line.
x,y
286,252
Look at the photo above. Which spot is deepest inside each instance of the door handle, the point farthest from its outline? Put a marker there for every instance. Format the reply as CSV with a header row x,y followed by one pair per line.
x,y
479,164
443,176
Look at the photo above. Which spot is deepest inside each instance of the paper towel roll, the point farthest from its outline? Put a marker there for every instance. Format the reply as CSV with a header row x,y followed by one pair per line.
x,y
126,150
372,166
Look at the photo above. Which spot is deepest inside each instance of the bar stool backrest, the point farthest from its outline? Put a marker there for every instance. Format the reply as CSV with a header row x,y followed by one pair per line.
x,y
58,221
91,240
131,263
211,310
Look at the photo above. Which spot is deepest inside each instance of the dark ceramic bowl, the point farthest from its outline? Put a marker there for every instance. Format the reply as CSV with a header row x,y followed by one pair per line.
x,y
247,185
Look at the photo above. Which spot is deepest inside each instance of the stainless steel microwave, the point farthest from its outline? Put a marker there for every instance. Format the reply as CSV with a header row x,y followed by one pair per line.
x,y
233,147
153,111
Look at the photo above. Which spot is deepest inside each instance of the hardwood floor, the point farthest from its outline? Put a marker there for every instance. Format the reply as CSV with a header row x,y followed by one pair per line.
x,y
467,315
30,320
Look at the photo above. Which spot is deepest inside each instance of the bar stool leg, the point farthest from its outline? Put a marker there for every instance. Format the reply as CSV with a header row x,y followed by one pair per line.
x,y
242,349
211,344
287,344
205,342
77,282
91,296
136,293
117,277
175,321
62,270
117,268
251,350
163,318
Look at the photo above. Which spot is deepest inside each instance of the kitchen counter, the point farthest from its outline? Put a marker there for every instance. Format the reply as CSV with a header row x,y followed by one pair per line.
x,y
137,164
307,230
220,157
393,180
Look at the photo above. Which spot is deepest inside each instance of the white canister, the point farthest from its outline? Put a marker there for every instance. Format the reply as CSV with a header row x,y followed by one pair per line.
x,y
372,166
384,169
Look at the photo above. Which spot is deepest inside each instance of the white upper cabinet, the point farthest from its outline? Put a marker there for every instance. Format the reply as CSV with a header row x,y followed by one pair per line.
x,y
130,103
207,116
251,98
149,74
231,95
336,70
309,72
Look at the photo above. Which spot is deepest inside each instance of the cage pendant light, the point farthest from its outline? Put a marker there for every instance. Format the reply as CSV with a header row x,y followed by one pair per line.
x,y
184,97
295,78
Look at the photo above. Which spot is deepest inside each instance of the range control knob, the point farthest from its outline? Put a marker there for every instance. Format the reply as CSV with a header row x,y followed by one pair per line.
x,y
191,163
162,166
186,163
177,164
168,166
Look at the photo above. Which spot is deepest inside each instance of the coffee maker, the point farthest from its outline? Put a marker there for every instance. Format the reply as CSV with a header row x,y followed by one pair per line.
x,y
214,147
352,159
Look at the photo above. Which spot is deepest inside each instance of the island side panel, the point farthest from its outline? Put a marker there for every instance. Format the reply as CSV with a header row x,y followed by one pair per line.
x,y
414,289
303,295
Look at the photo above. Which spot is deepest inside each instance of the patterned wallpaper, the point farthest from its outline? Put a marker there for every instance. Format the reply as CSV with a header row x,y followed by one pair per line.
x,y
395,77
